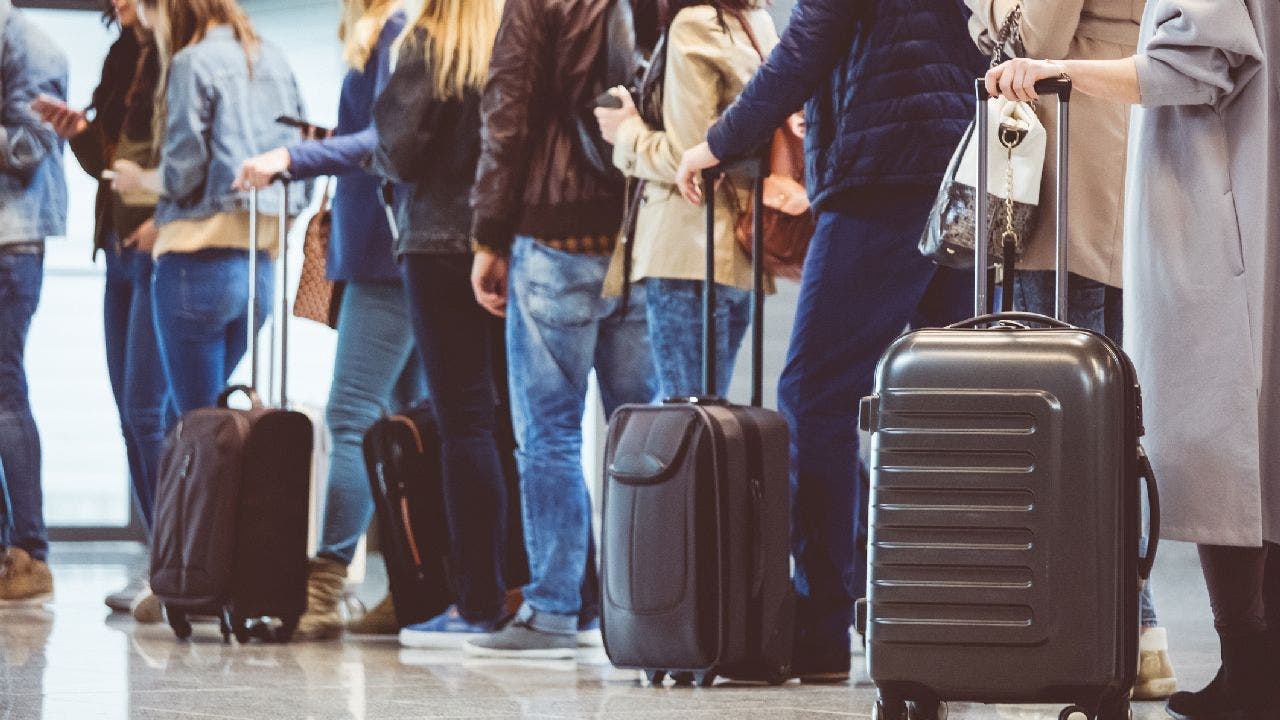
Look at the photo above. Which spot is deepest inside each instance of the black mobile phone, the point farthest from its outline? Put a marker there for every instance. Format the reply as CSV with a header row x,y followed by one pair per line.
x,y
608,100
311,131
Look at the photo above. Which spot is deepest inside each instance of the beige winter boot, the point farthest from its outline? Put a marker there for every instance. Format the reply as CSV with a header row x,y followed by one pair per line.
x,y
381,620
326,580
24,579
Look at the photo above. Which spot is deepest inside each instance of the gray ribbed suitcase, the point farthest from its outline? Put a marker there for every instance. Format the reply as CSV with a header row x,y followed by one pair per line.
x,y
1005,508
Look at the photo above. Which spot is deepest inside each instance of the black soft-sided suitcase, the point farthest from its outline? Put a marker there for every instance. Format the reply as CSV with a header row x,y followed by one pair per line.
x,y
403,458
696,538
230,535
1005,507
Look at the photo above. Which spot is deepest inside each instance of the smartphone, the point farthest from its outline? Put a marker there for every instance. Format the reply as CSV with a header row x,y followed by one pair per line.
x,y
311,131
608,100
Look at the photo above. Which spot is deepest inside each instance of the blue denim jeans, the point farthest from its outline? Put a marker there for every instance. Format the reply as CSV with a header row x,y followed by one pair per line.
x,y
21,276
374,371
137,376
558,329
202,319
1095,306
864,283
457,340
675,334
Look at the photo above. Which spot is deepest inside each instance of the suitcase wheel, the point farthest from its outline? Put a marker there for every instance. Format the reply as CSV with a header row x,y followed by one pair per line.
x,y
225,625
682,678
655,677
887,709
704,679
927,710
287,627
1075,712
178,621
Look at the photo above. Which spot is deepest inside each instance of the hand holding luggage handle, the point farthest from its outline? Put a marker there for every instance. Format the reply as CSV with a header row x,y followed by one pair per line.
x,y
284,179
1062,88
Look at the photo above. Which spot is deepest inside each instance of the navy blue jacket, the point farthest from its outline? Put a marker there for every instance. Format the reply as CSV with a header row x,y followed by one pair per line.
x,y
360,247
889,91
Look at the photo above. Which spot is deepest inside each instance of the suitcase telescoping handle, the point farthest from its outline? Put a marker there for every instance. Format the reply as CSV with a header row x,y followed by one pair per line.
x,y
1056,86
756,169
284,179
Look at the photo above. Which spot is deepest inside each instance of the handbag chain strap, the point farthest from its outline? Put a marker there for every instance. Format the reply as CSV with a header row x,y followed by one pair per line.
x,y
1009,30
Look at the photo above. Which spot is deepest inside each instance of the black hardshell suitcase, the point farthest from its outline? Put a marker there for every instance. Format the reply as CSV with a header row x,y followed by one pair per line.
x,y
230,537
696,578
1005,506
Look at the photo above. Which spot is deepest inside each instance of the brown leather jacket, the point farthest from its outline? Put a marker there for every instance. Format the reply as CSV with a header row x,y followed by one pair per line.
x,y
531,179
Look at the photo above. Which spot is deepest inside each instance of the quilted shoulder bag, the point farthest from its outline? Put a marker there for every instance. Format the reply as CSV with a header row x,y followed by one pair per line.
x,y
318,298
1016,160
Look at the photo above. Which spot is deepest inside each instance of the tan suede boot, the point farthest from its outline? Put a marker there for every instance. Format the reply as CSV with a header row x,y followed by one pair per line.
x,y
24,579
326,580
381,620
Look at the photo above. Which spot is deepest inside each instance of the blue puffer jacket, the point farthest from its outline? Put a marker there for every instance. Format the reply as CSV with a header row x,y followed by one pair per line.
x,y
889,87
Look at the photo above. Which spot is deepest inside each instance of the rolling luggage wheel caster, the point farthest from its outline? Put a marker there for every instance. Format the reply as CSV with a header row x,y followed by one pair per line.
x,y
682,678
927,710
889,710
287,627
178,621
1075,712
226,626
704,679
655,677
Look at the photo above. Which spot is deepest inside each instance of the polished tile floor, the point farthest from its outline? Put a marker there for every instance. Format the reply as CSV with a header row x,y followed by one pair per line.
x,y
70,659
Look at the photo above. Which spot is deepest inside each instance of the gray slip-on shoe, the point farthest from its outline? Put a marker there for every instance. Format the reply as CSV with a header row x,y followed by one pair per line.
x,y
520,641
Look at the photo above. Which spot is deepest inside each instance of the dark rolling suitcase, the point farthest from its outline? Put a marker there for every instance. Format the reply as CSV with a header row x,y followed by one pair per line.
x,y
696,537
230,536
1005,506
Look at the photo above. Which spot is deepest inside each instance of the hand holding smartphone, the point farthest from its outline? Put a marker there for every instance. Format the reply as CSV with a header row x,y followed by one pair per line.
x,y
65,120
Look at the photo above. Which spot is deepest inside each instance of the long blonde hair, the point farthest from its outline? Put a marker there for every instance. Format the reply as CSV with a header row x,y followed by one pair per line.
x,y
362,22
460,35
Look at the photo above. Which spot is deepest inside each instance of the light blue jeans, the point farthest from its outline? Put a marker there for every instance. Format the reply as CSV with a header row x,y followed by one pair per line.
x,y
376,369
675,334
558,329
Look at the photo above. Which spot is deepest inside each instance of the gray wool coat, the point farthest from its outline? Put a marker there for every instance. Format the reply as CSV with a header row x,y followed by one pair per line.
x,y
1202,264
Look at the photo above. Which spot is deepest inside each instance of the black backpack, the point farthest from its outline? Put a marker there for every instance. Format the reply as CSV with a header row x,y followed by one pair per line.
x,y
619,64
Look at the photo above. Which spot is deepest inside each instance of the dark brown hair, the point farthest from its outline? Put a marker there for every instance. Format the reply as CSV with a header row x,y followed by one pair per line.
x,y
668,9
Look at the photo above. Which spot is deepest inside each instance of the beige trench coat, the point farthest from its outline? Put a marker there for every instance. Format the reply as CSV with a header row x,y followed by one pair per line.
x,y
706,70
1202,298
1078,30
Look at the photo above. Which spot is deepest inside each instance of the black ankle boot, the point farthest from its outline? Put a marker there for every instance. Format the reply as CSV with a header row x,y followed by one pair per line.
x,y
1240,689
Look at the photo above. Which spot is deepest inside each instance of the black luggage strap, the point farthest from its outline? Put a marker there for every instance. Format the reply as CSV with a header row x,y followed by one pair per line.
x,y
1147,474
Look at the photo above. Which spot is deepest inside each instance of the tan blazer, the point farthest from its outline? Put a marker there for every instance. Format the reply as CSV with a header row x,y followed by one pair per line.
x,y
707,68
1077,30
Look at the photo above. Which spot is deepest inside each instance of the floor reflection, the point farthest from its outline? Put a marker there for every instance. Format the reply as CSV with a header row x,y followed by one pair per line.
x,y
72,660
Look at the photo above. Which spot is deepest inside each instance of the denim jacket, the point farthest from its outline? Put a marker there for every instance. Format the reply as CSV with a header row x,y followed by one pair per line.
x,y
219,115
33,189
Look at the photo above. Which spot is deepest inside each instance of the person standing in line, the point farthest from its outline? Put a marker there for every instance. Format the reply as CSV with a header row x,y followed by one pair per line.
x,y
1084,30
375,369
125,233
889,85
545,224
711,54
428,127
1200,269
222,89
33,207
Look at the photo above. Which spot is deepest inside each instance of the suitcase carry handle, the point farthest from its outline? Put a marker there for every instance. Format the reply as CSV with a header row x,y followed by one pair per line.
x,y
757,169
284,179
1010,319
1148,475
225,397
1056,86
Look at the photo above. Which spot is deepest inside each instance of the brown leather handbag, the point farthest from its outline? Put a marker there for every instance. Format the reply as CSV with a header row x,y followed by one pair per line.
x,y
318,298
788,222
